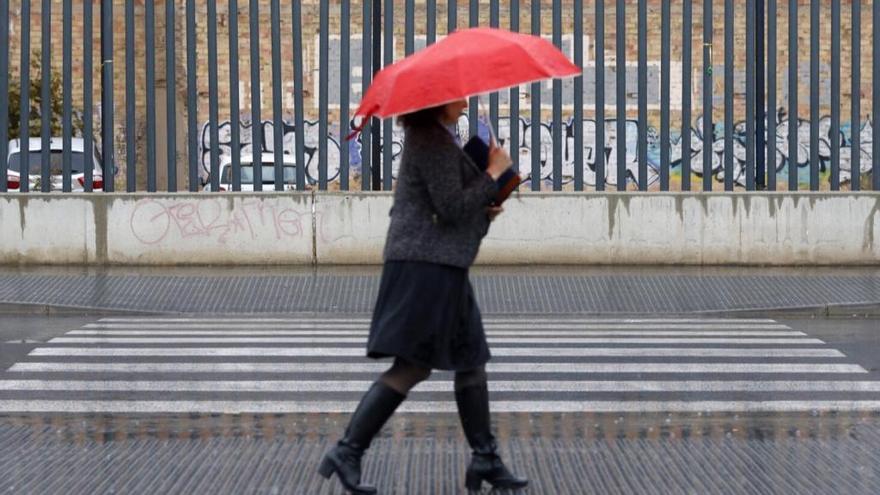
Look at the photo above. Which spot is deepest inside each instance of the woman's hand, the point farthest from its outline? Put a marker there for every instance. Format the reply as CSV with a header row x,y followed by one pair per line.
x,y
494,211
499,160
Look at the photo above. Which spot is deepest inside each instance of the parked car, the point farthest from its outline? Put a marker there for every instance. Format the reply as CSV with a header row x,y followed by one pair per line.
x,y
56,147
247,173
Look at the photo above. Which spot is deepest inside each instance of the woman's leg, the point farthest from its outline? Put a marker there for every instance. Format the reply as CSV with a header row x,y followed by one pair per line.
x,y
403,376
374,409
472,398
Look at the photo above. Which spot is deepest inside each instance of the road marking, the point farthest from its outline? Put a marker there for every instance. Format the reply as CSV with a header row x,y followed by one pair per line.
x,y
289,386
361,340
499,351
366,320
329,367
415,406
486,324
519,333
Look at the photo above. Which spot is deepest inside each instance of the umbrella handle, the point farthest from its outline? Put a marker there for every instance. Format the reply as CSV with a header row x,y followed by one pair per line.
x,y
492,137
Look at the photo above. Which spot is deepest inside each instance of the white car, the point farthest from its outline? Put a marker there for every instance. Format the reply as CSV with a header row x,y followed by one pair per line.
x,y
77,165
247,173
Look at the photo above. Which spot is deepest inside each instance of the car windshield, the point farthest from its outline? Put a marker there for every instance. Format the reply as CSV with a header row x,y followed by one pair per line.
x,y
247,174
35,166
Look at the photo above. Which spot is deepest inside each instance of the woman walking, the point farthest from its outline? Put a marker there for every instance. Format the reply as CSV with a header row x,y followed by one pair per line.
x,y
426,316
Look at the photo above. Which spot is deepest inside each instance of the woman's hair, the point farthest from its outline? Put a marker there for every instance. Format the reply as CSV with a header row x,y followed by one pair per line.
x,y
421,118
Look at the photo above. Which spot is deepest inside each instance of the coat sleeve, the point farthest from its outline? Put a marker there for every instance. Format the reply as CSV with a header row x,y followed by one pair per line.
x,y
453,200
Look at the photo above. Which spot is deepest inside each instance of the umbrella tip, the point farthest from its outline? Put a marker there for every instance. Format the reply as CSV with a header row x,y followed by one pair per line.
x,y
358,128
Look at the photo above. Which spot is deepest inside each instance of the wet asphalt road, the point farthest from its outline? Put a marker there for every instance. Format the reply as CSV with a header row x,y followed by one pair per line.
x,y
547,429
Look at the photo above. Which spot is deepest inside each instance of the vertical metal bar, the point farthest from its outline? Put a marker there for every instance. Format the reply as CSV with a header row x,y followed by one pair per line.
x,y
729,90
599,145
750,95
67,70
835,95
643,95
815,12
431,23
514,96
536,107
299,82
793,95
707,94
772,11
452,16
579,96
473,104
46,96
760,109
191,98
107,105
149,30
234,105
621,94
387,124
88,97
494,20
410,28
376,124
130,102
687,28
344,89
323,95
277,117
25,100
856,92
875,166
367,71
4,94
665,90
256,119
557,101
67,89
171,94
213,111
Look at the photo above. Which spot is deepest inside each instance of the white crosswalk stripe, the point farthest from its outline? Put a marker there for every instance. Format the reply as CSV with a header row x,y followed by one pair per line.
x,y
299,365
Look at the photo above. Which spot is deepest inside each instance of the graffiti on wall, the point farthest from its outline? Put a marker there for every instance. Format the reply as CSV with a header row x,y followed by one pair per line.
x,y
590,154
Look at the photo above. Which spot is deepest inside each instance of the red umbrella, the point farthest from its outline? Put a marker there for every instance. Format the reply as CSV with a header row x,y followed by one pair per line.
x,y
466,63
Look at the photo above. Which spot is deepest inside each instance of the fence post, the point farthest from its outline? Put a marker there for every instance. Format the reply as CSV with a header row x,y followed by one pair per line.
x,y
4,93
107,105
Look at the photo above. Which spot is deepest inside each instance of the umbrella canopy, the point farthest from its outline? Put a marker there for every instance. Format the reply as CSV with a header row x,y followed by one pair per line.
x,y
466,63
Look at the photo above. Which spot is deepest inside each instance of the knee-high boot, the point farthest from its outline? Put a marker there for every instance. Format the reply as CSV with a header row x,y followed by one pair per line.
x,y
376,406
486,465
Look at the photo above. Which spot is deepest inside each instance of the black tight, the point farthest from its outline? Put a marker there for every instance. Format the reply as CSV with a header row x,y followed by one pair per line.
x,y
403,376
474,377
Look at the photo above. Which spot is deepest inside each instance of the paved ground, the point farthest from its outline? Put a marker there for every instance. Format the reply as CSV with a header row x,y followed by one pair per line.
x,y
604,380
519,290
669,404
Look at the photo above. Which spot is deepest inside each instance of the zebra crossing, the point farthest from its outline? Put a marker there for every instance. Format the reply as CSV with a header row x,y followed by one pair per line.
x,y
317,365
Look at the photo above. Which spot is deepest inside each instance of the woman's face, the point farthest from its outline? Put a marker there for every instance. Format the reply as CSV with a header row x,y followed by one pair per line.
x,y
452,111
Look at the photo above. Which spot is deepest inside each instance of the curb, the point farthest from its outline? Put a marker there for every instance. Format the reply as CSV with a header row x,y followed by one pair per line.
x,y
846,310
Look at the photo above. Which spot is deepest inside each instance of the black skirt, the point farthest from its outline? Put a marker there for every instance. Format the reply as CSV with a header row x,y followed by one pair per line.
x,y
426,314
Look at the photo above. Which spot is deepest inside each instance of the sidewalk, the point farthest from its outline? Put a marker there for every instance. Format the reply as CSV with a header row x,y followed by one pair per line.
x,y
535,290
561,455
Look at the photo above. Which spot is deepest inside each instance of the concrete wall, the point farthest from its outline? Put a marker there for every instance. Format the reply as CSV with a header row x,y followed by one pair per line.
x,y
349,228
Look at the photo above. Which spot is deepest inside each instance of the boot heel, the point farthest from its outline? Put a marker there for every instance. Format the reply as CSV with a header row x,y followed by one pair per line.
x,y
326,468
473,481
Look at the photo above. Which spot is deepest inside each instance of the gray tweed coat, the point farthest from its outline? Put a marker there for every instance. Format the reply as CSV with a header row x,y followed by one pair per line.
x,y
439,213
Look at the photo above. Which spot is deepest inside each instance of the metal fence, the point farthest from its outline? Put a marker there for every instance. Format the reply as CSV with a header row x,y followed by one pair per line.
x,y
560,137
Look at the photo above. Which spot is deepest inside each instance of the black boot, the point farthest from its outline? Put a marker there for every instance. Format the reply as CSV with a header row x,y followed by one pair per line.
x,y
473,409
376,406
